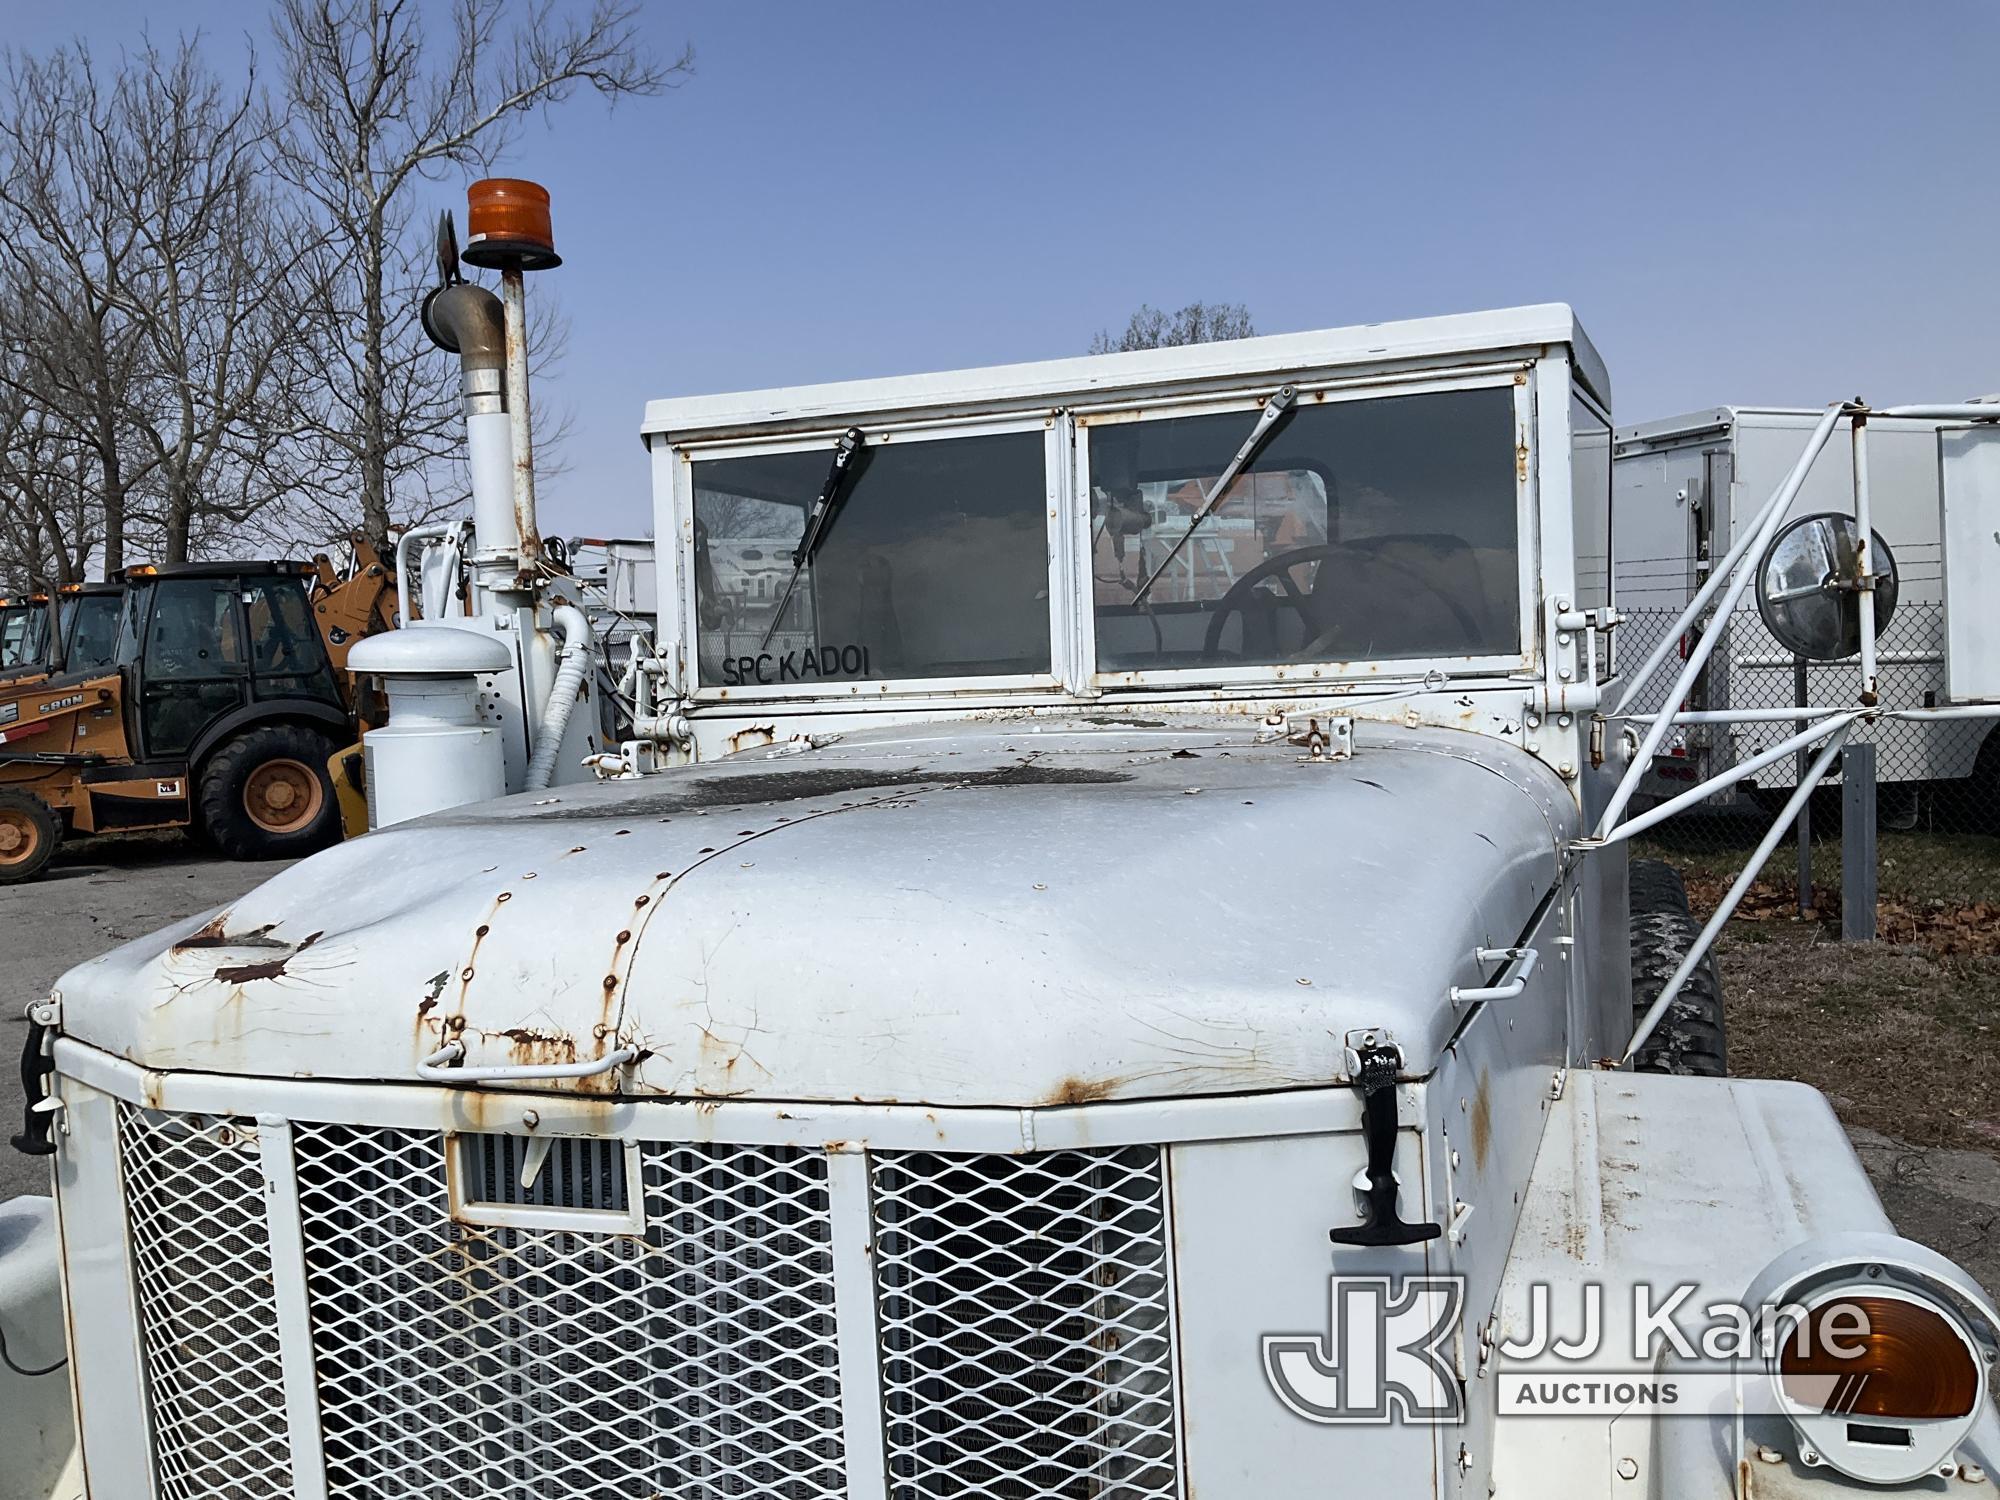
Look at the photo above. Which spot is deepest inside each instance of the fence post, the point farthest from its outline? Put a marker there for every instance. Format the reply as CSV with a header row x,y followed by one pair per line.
x,y
1802,760
1857,843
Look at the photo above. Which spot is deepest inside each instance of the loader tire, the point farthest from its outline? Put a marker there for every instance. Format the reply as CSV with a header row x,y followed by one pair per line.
x,y
1691,1037
29,833
267,795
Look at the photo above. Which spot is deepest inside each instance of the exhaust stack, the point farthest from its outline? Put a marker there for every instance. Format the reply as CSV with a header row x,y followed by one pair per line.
x,y
468,321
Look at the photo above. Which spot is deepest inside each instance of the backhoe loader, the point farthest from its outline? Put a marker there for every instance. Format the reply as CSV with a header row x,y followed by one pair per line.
x,y
214,705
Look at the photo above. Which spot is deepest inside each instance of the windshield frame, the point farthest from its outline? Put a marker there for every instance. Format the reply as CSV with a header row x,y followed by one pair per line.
x,y
1074,675
1248,405
1054,464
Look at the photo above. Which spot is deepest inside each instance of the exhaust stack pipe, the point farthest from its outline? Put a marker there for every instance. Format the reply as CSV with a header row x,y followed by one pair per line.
x,y
468,321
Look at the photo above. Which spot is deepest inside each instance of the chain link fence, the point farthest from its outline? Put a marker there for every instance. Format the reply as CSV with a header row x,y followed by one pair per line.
x,y
1937,783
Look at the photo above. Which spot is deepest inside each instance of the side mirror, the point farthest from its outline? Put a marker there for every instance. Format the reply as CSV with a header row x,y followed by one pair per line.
x,y
1808,588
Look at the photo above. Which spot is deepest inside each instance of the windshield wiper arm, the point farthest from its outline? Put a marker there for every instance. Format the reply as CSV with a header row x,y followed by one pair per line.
x,y
1275,408
830,496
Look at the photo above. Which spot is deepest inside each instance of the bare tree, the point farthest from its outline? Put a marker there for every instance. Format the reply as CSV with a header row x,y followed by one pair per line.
x,y
215,296
50,518
1197,323
372,107
153,323
67,257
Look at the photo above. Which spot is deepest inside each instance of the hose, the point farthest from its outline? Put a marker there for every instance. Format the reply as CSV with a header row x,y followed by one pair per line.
x,y
577,659
27,1374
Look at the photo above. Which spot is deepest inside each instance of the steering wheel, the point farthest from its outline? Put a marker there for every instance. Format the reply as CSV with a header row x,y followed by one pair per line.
x,y
1318,638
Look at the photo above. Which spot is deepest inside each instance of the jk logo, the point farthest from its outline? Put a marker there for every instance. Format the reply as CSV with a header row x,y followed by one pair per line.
x,y
1381,1356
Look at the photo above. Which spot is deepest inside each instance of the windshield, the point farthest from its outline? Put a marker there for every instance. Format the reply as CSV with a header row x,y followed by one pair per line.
x,y
91,623
935,563
1360,530
24,631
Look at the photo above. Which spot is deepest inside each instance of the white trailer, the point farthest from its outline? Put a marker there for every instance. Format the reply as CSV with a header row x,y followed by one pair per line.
x,y
1683,490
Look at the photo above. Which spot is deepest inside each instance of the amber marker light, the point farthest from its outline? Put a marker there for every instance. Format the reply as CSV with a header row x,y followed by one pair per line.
x,y
1872,1356
507,225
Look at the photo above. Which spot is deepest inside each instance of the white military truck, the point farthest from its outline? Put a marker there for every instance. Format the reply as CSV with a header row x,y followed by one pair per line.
x,y
1683,489
1105,980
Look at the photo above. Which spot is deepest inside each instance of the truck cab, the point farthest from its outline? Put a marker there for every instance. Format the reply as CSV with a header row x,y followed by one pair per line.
x,y
1104,899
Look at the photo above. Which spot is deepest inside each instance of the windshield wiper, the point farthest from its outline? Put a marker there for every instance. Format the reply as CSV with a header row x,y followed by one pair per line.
x,y
830,496
1275,408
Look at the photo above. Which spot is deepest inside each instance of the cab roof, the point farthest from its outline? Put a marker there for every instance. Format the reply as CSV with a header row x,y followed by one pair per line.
x,y
1094,377
145,571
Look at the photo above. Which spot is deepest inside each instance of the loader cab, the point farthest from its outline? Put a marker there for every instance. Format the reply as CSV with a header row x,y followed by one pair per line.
x,y
88,616
208,646
24,635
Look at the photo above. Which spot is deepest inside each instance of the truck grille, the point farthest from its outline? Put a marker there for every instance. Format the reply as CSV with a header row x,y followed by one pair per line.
x,y
1022,1344
1023,1315
697,1359
201,1253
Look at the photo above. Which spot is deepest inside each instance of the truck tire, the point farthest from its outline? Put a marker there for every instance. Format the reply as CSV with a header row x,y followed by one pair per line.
x,y
1690,1038
267,794
29,833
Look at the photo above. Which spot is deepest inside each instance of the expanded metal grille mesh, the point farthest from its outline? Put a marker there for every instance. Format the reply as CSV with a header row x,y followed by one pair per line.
x,y
470,1361
1022,1321
1023,1306
195,1195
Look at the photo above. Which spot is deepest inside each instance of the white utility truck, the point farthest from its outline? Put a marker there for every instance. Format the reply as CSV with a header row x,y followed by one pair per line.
x,y
1683,489
1104,978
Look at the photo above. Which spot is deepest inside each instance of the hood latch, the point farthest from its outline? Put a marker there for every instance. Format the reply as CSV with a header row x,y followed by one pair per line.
x,y
1376,1077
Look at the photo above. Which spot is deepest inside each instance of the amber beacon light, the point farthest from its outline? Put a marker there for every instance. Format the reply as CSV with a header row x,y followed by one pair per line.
x,y
507,226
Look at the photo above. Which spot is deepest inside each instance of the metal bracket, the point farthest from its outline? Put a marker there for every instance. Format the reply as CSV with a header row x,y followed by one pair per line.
x,y
1323,742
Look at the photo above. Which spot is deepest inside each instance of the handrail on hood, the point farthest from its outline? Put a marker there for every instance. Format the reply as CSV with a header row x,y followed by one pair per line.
x,y
436,1068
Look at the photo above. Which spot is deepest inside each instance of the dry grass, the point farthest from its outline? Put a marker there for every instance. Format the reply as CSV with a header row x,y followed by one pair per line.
x,y
1903,1039
1903,1034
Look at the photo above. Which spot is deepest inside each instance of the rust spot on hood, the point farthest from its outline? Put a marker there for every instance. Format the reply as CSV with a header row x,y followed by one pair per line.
x,y
1482,1121
528,1045
269,968
210,935
216,934
1083,1091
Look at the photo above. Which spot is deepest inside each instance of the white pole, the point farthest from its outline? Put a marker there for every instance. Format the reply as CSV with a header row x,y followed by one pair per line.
x,y
1864,554
1719,571
1651,1020
1768,521
527,536
1737,715
1977,411
1736,773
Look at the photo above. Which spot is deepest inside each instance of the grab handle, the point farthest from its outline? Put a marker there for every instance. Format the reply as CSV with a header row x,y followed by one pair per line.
x,y
436,1068
1526,957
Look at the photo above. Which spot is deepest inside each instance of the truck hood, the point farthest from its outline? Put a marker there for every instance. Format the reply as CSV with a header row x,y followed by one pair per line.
x,y
1006,914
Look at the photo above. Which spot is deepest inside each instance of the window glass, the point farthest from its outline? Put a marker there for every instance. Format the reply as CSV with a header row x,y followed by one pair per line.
x,y
285,648
15,621
93,634
194,664
1590,491
283,640
1361,530
193,631
934,564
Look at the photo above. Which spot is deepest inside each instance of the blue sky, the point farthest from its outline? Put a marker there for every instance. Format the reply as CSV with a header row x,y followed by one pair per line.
x,y
1759,203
